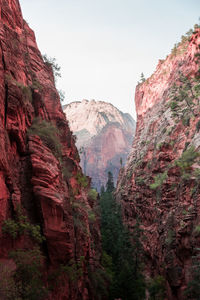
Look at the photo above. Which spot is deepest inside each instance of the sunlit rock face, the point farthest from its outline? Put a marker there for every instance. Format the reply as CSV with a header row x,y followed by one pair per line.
x,y
160,183
104,137
41,176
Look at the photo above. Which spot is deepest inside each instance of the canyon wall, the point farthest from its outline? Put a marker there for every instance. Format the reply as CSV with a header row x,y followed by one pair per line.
x,y
44,196
104,137
159,186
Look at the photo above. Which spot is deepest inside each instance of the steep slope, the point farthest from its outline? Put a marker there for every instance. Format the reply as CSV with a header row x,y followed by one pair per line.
x,y
104,136
160,183
41,182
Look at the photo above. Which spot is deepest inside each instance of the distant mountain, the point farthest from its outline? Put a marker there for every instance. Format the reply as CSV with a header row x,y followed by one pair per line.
x,y
104,137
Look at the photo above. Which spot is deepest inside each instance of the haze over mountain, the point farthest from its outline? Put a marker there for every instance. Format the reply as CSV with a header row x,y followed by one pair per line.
x,y
104,137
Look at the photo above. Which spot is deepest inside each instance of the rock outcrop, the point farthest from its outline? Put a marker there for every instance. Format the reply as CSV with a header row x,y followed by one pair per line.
x,y
104,137
41,182
160,182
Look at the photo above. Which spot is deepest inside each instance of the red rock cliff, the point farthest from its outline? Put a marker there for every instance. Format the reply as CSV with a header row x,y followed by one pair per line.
x,y
160,183
40,175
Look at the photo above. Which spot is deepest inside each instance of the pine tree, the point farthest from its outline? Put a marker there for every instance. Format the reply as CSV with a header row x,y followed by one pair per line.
x,y
127,280
142,78
110,183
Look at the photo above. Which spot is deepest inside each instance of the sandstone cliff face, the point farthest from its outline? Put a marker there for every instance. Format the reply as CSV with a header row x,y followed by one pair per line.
x,y
41,175
104,135
160,182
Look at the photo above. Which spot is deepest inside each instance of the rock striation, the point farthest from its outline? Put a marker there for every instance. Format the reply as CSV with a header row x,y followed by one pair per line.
x,y
40,174
104,137
160,183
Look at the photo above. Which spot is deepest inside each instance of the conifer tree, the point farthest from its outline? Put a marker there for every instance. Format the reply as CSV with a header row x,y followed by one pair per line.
x,y
110,183
127,279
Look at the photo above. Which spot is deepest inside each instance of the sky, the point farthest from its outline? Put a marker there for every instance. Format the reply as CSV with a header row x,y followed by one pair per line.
x,y
103,46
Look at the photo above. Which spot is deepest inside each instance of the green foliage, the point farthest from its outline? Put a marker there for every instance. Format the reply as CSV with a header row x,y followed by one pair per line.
x,y
99,280
122,250
198,126
48,134
107,263
197,174
10,227
92,194
159,146
193,287
174,50
73,270
91,216
21,226
187,159
22,281
157,288
110,183
184,212
8,290
185,96
51,61
158,180
36,85
26,90
139,181
173,105
180,47
197,229
82,180
142,78
61,95
28,276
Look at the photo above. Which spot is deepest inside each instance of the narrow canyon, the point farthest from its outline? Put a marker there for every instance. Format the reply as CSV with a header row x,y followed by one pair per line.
x,y
92,205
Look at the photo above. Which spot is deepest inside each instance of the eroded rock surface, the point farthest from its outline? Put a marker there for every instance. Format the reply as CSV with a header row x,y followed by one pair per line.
x,y
104,137
41,176
160,183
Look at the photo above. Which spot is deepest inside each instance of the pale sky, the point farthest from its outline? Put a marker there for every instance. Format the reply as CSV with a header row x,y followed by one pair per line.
x,y
103,46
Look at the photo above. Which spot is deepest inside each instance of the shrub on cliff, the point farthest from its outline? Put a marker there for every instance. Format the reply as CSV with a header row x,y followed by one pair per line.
x,y
187,159
48,134
28,275
92,194
51,62
82,180
185,96
20,226
142,78
26,90
180,47
22,279
158,180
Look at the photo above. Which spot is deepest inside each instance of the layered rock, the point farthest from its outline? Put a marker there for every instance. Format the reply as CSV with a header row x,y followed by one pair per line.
x,y
40,175
160,182
104,137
